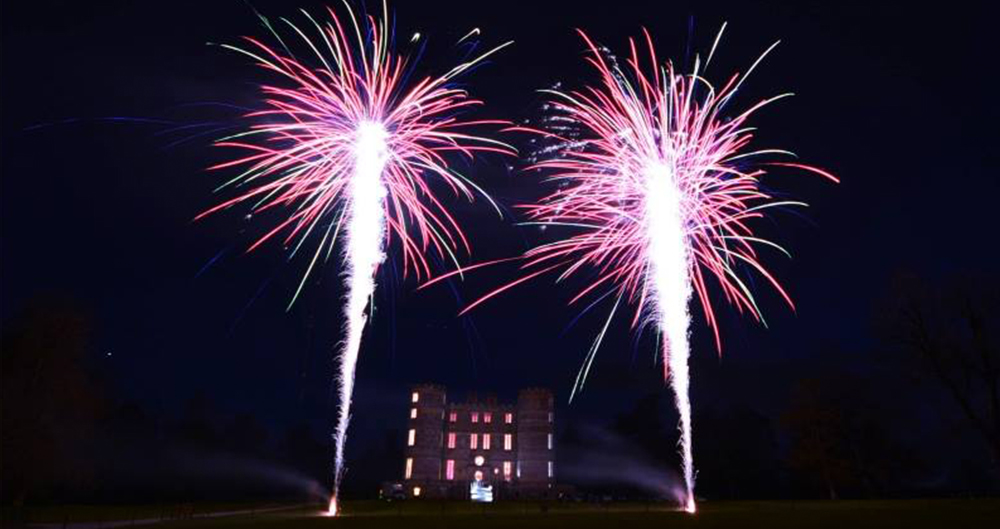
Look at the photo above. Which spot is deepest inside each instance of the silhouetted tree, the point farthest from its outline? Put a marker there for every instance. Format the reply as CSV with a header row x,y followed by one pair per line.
x,y
736,453
50,402
818,429
842,437
951,330
198,426
131,458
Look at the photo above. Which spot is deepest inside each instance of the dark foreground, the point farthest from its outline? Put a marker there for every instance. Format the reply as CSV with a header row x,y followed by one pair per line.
x,y
911,514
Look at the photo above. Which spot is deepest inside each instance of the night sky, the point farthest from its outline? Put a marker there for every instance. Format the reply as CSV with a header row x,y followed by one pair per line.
x,y
897,101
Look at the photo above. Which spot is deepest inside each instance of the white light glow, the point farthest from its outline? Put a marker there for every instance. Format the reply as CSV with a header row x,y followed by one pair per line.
x,y
479,492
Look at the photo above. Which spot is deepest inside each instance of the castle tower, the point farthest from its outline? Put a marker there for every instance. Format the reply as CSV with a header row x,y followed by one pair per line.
x,y
535,444
424,438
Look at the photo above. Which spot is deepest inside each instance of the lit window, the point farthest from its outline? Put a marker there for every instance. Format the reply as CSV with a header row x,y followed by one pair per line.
x,y
479,475
550,441
551,469
413,413
449,469
451,440
475,416
412,439
550,416
487,417
452,417
506,470
486,441
479,460
409,468
519,469
415,397
508,418
508,441
416,492
474,441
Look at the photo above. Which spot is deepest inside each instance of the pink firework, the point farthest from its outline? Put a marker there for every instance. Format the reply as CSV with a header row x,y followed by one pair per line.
x,y
350,151
662,191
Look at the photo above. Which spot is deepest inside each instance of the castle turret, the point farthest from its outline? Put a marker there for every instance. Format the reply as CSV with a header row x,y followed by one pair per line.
x,y
535,448
424,438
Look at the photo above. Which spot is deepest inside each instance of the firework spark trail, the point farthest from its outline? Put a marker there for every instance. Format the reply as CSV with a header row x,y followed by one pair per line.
x,y
348,145
670,288
661,189
365,235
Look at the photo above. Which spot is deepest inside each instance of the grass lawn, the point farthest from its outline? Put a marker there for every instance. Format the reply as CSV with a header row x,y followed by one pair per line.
x,y
910,514
71,514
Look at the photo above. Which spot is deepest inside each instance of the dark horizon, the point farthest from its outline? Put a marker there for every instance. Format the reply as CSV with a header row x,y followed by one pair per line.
x,y
98,202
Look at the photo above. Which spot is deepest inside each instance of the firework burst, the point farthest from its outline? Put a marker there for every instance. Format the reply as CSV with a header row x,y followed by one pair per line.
x,y
661,190
349,142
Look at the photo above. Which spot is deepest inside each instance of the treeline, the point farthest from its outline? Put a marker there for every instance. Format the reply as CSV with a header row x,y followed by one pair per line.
x,y
66,438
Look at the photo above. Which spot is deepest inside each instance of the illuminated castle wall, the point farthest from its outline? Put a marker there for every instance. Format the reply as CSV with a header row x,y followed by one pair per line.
x,y
509,447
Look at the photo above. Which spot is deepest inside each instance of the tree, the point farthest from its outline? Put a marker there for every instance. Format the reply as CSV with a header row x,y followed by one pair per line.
x,y
50,403
818,429
845,439
951,330
736,453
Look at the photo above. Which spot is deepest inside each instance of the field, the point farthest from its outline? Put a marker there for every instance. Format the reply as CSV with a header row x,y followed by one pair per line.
x,y
911,514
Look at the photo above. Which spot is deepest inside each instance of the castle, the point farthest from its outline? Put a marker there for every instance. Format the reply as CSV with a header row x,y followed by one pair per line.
x,y
479,450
